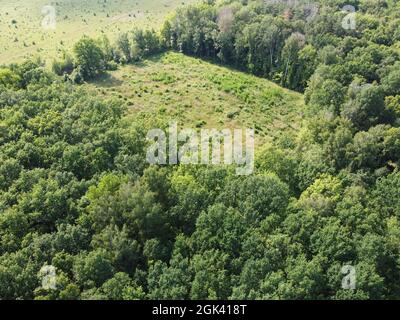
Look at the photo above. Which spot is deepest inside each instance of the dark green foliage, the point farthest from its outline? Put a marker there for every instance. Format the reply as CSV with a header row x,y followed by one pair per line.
x,y
64,66
89,57
77,194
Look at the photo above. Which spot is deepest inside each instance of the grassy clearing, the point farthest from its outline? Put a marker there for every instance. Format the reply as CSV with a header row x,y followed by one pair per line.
x,y
201,94
22,34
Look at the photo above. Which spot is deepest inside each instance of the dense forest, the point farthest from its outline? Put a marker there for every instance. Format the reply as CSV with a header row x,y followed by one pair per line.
x,y
76,192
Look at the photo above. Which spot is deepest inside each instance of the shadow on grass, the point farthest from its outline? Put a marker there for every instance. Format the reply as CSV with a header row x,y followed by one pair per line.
x,y
106,80
153,58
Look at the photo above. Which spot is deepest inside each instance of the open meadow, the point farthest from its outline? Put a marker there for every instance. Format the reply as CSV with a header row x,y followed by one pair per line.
x,y
200,94
23,35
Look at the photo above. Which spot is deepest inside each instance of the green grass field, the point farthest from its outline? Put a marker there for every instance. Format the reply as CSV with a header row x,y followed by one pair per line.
x,y
22,34
201,94
197,93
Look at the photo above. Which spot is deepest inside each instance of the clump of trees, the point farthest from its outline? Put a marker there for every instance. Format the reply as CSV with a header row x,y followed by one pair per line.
x,y
92,57
262,38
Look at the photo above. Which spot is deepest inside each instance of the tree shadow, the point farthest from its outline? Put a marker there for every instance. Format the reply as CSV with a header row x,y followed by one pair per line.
x,y
152,58
138,64
106,80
